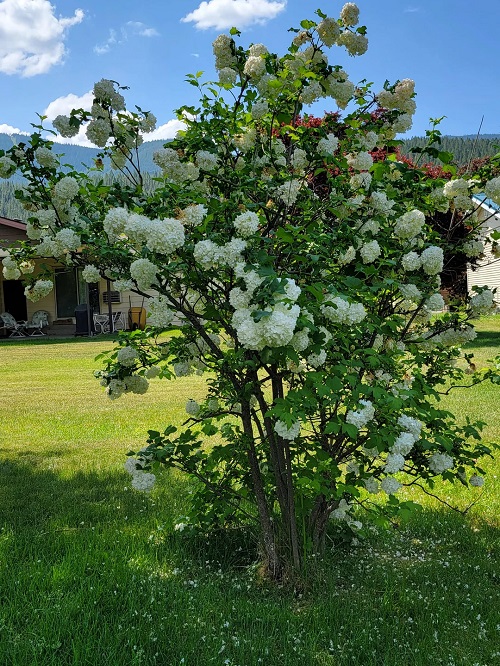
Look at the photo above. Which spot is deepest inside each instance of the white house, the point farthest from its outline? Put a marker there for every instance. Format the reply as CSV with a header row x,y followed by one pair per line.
x,y
69,290
487,270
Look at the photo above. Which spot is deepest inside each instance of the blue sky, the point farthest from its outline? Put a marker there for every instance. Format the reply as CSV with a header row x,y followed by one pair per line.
x,y
52,50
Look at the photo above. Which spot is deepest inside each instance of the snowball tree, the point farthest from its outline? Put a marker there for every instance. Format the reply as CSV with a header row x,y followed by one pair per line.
x,y
295,261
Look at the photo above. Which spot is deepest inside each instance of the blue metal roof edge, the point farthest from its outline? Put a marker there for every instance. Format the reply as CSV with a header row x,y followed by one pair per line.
x,y
482,198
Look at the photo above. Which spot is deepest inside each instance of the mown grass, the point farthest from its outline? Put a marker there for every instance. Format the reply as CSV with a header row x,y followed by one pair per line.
x,y
94,573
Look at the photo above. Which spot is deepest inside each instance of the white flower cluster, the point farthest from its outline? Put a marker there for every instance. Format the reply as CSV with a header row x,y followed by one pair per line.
x,y
328,31
380,203
11,270
162,236
38,290
208,254
66,189
7,167
355,43
482,303
206,161
402,446
46,158
64,126
259,109
123,285
409,225
193,215
362,179
440,462
349,14
338,86
328,145
492,189
410,292
411,262
432,260
245,141
127,356
255,66
455,188
285,432
473,248
273,330
317,360
246,223
169,162
289,191
141,480
340,311
390,485
456,337
144,273
311,92
435,302
223,51
370,251
192,407
91,274
105,93
159,312
362,416
98,131
361,161
401,98
476,481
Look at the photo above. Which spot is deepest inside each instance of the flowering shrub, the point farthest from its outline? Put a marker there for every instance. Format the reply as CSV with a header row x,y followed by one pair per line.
x,y
304,277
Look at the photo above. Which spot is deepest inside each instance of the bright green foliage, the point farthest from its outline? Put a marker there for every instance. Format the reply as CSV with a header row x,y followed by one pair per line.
x,y
304,278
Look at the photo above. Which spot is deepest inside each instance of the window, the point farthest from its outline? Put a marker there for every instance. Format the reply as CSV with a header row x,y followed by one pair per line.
x,y
71,290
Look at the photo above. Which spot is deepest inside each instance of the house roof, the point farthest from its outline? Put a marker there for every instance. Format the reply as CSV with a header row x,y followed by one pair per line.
x,y
10,231
15,224
484,201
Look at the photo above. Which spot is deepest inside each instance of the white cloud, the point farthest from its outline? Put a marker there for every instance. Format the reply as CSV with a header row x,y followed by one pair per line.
x,y
31,37
62,106
122,34
166,131
222,14
8,129
142,30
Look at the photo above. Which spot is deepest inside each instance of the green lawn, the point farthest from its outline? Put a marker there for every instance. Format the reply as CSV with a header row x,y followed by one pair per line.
x,y
93,573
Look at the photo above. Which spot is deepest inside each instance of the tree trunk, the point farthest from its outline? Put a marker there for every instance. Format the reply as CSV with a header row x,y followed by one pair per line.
x,y
268,537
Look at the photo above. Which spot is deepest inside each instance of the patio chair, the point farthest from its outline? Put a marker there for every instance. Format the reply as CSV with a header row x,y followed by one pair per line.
x,y
16,328
38,321
101,322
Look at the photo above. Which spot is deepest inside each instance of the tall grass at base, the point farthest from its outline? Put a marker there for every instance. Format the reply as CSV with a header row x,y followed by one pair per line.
x,y
93,573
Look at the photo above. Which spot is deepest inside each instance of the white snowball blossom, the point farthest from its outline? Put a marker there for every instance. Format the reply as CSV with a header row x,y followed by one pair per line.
x,y
361,417
440,462
289,433
246,223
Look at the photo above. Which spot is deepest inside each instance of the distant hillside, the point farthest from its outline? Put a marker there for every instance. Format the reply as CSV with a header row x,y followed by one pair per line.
x,y
81,156
464,148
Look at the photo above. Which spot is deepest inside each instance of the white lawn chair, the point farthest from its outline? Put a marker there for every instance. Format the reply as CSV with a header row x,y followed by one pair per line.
x,y
16,328
38,321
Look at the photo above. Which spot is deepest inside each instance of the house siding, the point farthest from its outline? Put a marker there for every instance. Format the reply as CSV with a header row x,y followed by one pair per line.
x,y
487,271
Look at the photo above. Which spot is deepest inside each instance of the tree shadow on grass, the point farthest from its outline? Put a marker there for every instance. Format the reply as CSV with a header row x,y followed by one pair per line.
x,y
89,571
485,339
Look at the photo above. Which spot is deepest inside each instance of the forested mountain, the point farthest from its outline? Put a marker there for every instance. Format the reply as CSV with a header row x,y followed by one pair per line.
x,y
11,208
81,156
464,148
